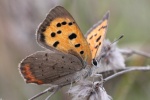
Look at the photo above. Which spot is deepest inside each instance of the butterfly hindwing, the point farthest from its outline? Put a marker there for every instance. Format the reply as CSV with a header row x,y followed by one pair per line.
x,y
60,32
95,36
47,67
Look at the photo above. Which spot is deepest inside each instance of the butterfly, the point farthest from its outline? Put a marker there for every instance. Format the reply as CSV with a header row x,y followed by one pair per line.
x,y
68,50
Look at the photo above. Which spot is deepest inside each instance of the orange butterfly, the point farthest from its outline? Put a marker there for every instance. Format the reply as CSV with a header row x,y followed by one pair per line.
x,y
69,51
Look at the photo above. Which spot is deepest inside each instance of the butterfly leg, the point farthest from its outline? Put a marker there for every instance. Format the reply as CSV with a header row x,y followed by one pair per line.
x,y
71,85
99,76
53,92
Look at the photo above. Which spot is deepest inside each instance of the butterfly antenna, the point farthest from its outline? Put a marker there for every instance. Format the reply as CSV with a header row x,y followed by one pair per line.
x,y
108,49
117,39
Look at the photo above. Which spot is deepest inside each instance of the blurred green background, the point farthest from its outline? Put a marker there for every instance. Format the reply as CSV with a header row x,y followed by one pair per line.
x,y
19,20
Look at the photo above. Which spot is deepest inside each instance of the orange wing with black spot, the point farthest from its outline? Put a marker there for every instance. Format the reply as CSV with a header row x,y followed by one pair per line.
x,y
60,32
95,36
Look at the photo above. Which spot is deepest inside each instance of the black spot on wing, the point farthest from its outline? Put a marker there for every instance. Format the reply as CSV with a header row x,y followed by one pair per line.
x,y
56,44
102,27
46,54
59,32
91,37
70,23
96,46
53,34
64,23
81,52
53,67
72,36
77,45
100,43
58,25
98,38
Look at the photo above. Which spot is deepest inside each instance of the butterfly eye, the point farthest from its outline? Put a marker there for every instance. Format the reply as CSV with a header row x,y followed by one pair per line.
x,y
94,62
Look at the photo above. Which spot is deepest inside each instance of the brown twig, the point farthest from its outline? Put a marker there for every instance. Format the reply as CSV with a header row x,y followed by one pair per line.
x,y
49,89
53,89
131,52
128,69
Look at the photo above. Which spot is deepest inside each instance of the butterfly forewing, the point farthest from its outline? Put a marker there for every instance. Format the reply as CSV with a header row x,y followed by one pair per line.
x,y
95,36
59,31
50,68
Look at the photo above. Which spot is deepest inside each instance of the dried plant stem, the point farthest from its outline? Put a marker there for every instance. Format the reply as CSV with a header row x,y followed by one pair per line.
x,y
131,52
128,69
52,89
